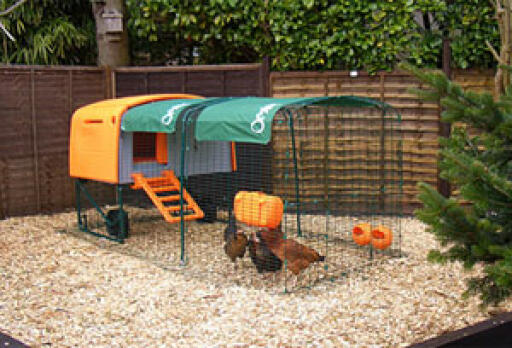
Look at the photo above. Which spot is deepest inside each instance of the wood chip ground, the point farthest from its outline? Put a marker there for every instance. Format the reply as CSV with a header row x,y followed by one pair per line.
x,y
66,289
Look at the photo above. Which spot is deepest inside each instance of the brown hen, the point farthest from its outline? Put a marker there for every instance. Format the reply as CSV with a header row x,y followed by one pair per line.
x,y
235,241
298,256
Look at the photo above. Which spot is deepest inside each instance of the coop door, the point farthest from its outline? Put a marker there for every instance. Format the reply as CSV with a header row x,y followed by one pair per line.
x,y
150,147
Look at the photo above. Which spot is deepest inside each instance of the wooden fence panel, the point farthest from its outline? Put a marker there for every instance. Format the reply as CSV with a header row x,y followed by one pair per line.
x,y
204,80
420,120
17,188
36,107
37,103
478,80
420,127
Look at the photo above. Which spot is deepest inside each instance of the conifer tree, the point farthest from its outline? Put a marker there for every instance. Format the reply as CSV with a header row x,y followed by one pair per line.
x,y
474,225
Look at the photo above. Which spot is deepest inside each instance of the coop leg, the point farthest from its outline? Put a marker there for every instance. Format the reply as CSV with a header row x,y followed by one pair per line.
x,y
78,205
120,216
82,220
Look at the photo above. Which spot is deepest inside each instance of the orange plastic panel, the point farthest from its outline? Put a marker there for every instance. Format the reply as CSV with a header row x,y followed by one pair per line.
x,y
382,237
94,139
161,148
362,233
258,209
234,165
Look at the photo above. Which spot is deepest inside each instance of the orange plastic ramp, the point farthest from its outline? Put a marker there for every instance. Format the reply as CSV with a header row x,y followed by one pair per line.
x,y
164,192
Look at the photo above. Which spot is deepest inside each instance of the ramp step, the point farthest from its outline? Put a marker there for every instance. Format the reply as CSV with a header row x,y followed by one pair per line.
x,y
175,219
173,208
165,189
172,198
168,182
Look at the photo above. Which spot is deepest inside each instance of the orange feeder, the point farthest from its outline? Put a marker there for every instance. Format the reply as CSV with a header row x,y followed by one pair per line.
x,y
362,234
382,237
258,209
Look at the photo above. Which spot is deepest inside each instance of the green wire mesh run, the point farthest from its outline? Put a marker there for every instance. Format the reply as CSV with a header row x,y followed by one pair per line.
x,y
334,167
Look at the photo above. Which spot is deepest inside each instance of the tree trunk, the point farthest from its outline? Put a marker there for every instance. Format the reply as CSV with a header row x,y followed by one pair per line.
x,y
503,16
111,32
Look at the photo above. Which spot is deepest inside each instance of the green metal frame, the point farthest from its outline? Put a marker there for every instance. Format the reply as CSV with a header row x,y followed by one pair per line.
x,y
82,220
182,183
290,115
186,120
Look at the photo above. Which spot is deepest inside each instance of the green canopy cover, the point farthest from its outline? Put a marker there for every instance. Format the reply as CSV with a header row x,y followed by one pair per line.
x,y
246,119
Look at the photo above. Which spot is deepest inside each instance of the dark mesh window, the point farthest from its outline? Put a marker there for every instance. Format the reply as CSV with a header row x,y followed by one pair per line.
x,y
144,146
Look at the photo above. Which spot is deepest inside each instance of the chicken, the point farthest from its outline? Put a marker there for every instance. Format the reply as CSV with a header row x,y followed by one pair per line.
x,y
261,256
235,241
298,256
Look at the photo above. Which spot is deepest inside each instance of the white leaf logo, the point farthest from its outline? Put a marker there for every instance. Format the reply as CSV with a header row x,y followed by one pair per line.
x,y
258,125
169,116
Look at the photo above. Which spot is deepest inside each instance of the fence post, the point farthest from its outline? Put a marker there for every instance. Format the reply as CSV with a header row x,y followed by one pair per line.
x,y
110,84
265,77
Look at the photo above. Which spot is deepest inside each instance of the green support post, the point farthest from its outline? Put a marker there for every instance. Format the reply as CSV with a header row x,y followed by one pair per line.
x,y
382,166
79,206
184,122
296,170
81,188
285,263
182,178
400,167
92,201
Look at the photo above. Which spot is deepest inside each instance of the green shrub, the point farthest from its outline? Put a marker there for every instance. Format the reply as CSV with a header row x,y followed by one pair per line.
x,y
479,165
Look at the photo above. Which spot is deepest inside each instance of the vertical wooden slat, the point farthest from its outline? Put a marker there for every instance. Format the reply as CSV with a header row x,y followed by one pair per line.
x,y
70,93
223,74
382,144
70,192
34,139
326,149
3,190
382,169
382,76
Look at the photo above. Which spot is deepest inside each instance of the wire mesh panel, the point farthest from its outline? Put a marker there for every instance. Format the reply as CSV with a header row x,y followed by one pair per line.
x,y
323,198
348,170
